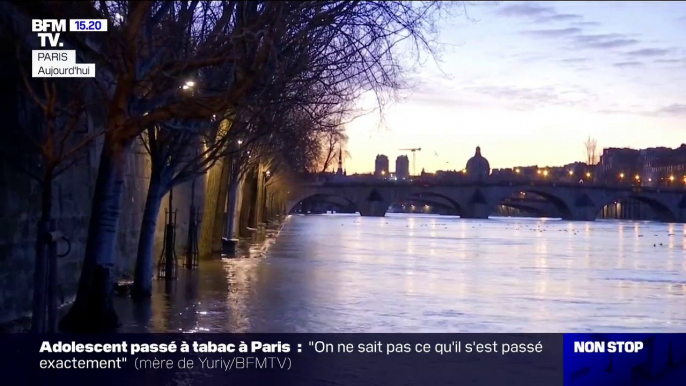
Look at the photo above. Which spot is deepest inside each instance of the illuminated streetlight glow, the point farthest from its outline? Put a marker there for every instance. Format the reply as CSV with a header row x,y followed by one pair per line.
x,y
588,174
188,85
621,175
538,172
545,172
637,177
671,178
240,142
517,171
571,172
383,172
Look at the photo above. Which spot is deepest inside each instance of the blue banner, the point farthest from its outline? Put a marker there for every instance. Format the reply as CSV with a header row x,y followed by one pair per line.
x,y
624,359
344,359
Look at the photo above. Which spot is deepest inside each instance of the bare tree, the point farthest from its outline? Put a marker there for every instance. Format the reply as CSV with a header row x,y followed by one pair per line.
x,y
52,138
591,147
146,57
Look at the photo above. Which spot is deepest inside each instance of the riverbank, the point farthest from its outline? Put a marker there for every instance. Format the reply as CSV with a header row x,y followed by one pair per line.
x,y
247,248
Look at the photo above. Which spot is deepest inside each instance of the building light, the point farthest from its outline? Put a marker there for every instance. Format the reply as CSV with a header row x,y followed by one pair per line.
x,y
538,171
588,174
637,177
621,175
517,171
571,172
671,178
545,172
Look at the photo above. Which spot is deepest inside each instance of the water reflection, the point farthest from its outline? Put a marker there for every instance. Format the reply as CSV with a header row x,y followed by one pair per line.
x,y
345,273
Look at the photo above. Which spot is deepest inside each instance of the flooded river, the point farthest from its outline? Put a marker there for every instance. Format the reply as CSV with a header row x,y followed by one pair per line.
x,y
430,273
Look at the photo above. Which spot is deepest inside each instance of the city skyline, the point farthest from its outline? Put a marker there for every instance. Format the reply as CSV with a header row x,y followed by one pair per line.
x,y
543,75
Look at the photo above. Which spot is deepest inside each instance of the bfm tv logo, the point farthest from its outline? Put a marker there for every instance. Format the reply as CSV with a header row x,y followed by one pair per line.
x,y
52,25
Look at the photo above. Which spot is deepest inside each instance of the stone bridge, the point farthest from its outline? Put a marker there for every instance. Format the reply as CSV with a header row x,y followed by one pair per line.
x,y
575,202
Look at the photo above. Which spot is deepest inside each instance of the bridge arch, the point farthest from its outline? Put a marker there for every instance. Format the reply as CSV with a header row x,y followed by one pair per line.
x,y
561,204
431,197
661,209
538,212
324,197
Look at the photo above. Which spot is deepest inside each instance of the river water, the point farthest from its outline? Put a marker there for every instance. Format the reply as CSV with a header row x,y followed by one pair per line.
x,y
431,273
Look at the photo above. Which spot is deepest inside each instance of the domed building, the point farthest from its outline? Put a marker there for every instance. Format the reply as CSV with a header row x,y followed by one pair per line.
x,y
477,168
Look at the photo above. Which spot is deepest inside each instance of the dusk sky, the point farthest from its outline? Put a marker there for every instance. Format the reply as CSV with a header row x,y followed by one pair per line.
x,y
529,82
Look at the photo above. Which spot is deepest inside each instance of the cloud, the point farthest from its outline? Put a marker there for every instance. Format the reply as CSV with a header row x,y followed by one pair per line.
x,y
597,41
540,13
668,60
574,60
554,32
604,41
526,10
559,17
528,98
628,64
673,109
649,52
586,24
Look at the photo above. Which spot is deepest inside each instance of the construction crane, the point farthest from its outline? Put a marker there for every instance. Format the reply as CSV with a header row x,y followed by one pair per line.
x,y
414,158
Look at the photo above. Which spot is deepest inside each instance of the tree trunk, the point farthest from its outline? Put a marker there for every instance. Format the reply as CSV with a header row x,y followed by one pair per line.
x,y
215,199
93,310
142,281
231,212
38,316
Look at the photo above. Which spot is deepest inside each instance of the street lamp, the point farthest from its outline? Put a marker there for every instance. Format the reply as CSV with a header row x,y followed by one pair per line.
x,y
545,173
517,171
588,174
188,84
671,178
571,172
240,141
637,177
621,175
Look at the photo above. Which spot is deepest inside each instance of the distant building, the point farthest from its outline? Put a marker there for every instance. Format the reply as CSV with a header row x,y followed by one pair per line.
x,y
381,166
615,162
402,167
478,168
663,166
